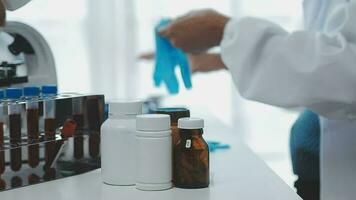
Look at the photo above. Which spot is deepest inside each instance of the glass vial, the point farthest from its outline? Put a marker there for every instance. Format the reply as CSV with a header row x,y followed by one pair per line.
x,y
118,143
49,115
154,152
2,120
31,95
191,160
14,112
94,119
78,117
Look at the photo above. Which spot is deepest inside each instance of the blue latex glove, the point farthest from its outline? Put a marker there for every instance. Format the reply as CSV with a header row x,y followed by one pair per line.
x,y
167,58
214,145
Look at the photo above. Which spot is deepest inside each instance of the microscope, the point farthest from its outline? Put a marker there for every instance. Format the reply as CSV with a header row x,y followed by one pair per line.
x,y
66,137
25,56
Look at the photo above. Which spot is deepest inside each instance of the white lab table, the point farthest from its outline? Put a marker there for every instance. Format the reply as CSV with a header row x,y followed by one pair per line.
x,y
236,174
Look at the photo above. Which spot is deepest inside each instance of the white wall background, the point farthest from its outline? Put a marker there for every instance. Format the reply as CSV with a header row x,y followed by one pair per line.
x,y
96,43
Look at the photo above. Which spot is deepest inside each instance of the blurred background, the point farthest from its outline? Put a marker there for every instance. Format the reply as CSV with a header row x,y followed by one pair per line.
x,y
96,46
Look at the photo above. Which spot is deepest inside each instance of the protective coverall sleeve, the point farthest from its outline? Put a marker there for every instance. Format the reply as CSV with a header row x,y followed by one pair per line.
x,y
302,68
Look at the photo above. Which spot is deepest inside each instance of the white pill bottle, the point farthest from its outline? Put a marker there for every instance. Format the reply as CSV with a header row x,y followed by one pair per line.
x,y
118,142
153,152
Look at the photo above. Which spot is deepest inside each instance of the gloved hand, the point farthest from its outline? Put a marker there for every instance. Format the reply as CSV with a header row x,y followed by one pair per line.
x,y
167,58
214,145
197,31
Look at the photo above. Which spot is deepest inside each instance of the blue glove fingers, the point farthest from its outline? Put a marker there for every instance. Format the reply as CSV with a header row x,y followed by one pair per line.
x,y
214,145
184,68
162,56
165,61
172,84
167,58
164,65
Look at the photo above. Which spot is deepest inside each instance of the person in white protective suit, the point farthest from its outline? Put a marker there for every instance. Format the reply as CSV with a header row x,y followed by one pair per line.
x,y
313,68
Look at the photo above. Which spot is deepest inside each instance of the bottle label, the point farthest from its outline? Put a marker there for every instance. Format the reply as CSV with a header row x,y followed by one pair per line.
x,y
188,144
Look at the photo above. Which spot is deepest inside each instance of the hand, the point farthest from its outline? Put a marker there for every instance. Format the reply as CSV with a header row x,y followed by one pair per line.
x,y
197,31
205,62
2,14
147,56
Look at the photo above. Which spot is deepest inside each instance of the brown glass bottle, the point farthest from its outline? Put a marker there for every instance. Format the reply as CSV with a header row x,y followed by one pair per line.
x,y
191,160
15,140
2,150
33,136
175,114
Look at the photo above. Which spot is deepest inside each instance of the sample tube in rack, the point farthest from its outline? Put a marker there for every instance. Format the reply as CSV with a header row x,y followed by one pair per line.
x,y
14,112
33,179
31,94
78,117
93,114
2,150
49,115
16,181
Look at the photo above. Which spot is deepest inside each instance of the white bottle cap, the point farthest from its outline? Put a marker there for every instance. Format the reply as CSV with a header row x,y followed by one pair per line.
x,y
153,122
190,123
125,107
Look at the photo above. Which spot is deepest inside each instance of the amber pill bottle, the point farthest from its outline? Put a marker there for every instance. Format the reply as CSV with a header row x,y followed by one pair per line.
x,y
191,155
175,114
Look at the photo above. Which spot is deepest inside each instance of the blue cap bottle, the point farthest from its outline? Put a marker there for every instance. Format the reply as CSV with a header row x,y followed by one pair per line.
x,y
31,95
13,93
31,91
49,89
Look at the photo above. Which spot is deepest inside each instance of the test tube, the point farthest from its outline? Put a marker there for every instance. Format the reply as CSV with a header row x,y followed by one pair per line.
x,y
31,95
33,179
2,184
16,181
49,114
2,150
14,112
93,114
78,117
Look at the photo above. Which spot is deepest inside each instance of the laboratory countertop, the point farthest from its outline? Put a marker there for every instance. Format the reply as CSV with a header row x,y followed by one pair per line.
x,y
236,173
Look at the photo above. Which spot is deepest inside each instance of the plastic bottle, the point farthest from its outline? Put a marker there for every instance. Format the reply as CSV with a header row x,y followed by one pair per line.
x,y
32,115
118,143
154,152
191,158
14,112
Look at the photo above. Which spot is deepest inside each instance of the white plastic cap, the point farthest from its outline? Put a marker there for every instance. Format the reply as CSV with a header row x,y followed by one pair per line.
x,y
153,122
190,123
125,107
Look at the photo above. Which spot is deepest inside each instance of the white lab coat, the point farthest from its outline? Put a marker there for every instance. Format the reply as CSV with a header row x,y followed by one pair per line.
x,y
314,68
